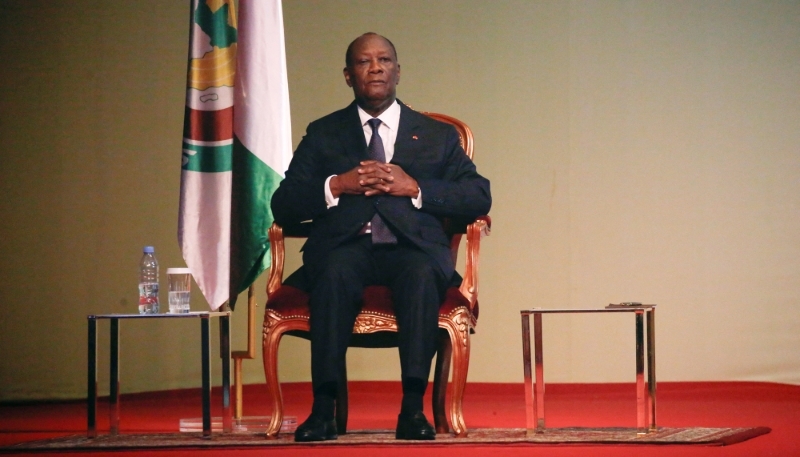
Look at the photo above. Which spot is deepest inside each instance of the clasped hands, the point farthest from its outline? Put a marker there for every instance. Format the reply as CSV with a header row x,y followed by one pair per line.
x,y
371,177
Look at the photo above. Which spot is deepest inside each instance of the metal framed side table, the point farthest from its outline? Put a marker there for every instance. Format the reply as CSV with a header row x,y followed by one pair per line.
x,y
645,396
113,410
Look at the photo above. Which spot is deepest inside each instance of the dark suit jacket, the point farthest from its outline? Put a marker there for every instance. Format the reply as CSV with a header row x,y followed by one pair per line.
x,y
426,149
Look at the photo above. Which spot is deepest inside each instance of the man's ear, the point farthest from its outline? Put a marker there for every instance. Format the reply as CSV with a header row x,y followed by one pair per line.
x,y
347,77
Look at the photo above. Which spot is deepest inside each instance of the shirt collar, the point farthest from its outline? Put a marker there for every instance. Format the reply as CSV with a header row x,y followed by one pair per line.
x,y
390,117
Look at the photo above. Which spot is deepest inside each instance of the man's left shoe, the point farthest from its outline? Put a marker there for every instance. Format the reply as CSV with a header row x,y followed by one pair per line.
x,y
414,427
315,429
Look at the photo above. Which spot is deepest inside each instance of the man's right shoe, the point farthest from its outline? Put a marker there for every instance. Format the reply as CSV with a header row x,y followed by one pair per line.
x,y
315,429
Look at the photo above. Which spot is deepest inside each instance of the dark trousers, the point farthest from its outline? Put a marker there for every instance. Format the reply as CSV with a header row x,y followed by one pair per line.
x,y
417,284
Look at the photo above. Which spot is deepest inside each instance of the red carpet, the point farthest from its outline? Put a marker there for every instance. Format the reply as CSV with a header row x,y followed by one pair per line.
x,y
374,406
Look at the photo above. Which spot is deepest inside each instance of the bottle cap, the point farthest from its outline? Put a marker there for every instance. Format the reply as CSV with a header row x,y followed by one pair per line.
x,y
149,250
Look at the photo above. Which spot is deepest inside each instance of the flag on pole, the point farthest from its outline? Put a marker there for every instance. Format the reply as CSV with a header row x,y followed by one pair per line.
x,y
205,205
262,140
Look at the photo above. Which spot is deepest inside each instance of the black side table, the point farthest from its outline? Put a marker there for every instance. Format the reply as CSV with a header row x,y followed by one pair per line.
x,y
225,349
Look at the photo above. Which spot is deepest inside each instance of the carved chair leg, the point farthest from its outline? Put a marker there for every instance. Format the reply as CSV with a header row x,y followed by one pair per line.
x,y
460,340
342,403
440,379
272,341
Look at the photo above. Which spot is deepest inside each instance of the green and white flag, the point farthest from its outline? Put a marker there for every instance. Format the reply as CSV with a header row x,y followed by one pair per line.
x,y
205,205
262,141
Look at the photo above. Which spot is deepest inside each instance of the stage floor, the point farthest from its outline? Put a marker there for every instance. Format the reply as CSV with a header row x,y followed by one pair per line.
x,y
374,405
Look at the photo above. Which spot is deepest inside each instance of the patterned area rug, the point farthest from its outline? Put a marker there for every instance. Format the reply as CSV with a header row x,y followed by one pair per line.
x,y
485,436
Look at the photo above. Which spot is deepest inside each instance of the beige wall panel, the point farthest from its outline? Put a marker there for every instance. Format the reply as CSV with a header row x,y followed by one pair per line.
x,y
637,150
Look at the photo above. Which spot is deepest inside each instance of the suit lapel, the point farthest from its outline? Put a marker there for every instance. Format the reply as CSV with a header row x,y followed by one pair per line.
x,y
351,135
407,133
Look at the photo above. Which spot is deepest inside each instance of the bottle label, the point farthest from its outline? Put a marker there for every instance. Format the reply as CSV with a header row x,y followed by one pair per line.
x,y
148,293
148,298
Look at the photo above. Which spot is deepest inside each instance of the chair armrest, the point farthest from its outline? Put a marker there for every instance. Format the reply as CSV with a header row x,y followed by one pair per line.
x,y
475,231
278,254
277,235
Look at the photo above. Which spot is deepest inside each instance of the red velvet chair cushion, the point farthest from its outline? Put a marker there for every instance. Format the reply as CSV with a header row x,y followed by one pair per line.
x,y
291,302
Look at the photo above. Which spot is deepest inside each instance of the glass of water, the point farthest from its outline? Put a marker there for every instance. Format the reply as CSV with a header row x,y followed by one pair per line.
x,y
180,288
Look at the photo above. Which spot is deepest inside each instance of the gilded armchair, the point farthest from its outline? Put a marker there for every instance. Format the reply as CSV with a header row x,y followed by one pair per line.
x,y
287,313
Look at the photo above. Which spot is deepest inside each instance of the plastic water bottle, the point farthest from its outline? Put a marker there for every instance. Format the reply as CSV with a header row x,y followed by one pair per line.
x,y
148,282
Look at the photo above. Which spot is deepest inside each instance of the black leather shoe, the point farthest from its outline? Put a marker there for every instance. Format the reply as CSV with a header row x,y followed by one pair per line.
x,y
414,427
316,429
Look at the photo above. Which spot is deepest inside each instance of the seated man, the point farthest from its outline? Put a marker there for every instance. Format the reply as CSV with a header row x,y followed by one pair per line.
x,y
375,178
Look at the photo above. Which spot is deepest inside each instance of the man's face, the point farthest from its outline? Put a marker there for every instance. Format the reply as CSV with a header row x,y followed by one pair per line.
x,y
373,73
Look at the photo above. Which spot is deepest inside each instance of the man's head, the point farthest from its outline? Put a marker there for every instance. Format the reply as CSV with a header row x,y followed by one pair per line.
x,y
372,71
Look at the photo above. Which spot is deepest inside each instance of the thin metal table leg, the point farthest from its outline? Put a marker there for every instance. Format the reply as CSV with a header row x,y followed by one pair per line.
x,y
91,391
651,367
539,389
206,373
641,394
530,422
225,353
113,396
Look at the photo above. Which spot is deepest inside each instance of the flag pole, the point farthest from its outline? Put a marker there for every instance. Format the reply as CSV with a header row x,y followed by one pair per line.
x,y
250,353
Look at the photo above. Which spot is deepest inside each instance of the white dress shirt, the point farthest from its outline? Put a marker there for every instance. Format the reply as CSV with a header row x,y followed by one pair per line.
x,y
390,122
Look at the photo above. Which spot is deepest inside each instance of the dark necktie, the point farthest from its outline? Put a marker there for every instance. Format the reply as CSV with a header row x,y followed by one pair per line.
x,y
381,234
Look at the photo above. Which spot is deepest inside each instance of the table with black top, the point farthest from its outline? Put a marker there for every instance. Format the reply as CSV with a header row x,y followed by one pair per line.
x,y
114,320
